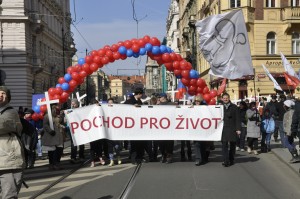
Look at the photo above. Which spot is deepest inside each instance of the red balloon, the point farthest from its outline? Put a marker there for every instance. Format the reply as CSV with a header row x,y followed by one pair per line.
x,y
51,91
173,56
199,90
73,83
169,66
110,59
101,52
64,95
183,65
179,58
43,108
41,115
58,90
212,101
97,60
201,83
116,55
106,47
205,90
135,48
146,38
166,57
141,43
193,82
70,70
213,93
75,76
123,57
35,116
88,59
86,68
185,73
80,81
82,74
109,54
191,92
177,72
56,96
105,60
94,67
61,80
114,47
127,44
185,81
154,41
176,64
207,97
189,66
192,88
93,53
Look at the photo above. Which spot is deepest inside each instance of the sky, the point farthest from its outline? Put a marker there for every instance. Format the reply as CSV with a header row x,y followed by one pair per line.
x,y
105,22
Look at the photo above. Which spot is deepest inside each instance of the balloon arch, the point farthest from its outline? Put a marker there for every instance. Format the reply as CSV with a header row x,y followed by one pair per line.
x,y
151,46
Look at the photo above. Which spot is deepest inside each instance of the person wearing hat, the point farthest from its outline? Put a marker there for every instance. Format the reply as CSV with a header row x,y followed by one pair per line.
x,y
287,123
12,155
29,138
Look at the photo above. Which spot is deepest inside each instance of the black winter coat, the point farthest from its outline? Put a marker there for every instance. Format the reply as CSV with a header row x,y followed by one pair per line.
x,y
232,123
296,118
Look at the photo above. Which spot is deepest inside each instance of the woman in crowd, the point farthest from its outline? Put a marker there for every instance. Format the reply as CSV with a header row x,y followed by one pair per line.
x,y
253,128
240,142
52,139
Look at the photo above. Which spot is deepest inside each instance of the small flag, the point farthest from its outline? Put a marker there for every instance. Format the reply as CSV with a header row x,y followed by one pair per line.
x,y
276,85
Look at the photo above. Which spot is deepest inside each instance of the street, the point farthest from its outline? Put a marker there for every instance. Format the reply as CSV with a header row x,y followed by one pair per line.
x,y
252,176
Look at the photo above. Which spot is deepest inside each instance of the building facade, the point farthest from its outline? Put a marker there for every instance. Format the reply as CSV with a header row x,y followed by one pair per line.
x,y
273,26
36,46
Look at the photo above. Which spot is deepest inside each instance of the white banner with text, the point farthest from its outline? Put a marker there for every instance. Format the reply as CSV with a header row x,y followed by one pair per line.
x,y
159,122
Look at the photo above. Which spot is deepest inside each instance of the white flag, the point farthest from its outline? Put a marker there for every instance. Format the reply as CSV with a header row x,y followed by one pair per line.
x,y
287,66
223,41
276,85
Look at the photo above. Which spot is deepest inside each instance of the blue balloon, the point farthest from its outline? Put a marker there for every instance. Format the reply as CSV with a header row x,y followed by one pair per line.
x,y
129,53
122,50
136,55
81,61
155,50
169,50
148,47
163,49
58,85
142,51
36,109
68,77
65,86
194,74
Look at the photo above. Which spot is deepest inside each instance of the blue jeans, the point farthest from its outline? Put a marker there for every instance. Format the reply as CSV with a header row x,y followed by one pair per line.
x,y
268,139
39,148
289,143
279,124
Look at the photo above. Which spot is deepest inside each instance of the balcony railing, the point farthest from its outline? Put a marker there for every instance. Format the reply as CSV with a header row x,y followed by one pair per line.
x,y
290,13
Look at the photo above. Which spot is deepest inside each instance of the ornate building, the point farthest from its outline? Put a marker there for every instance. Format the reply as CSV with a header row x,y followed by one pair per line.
x,y
273,27
36,46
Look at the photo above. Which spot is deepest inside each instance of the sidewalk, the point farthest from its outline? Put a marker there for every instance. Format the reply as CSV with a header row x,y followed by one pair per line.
x,y
284,155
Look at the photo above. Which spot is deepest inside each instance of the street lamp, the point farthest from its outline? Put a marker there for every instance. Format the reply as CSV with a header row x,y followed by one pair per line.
x,y
67,44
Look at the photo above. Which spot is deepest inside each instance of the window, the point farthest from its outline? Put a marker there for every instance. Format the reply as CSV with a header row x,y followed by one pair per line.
x,y
270,3
296,43
235,3
295,3
271,43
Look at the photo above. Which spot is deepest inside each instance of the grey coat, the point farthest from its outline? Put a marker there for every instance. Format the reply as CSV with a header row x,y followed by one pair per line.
x,y
11,150
47,139
232,123
253,127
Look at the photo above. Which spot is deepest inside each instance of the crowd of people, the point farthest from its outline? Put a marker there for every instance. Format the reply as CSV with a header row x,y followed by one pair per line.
x,y
246,128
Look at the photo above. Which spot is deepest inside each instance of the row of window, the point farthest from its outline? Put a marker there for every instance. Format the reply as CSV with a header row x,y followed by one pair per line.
x,y
271,43
269,3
